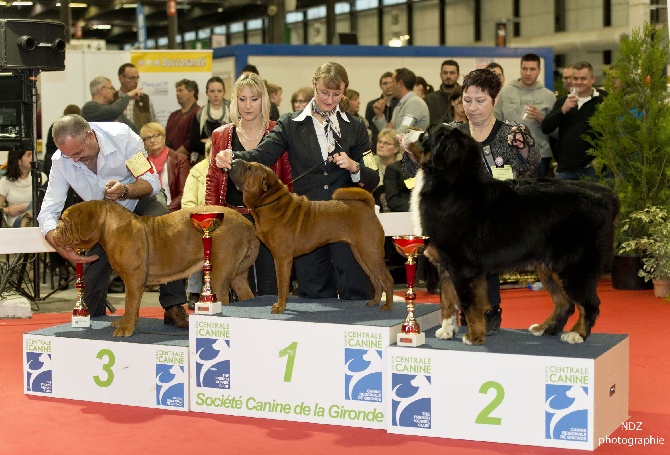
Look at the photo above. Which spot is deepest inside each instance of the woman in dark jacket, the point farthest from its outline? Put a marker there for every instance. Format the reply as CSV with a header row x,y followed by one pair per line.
x,y
325,148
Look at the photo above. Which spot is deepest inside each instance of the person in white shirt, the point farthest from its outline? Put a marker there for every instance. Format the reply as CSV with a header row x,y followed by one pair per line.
x,y
91,159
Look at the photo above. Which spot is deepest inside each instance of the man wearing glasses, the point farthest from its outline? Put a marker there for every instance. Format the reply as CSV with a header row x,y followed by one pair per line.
x,y
91,159
141,109
103,108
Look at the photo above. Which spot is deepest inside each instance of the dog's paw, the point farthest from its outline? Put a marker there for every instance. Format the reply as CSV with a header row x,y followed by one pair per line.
x,y
278,309
536,330
472,341
572,338
373,302
123,330
448,330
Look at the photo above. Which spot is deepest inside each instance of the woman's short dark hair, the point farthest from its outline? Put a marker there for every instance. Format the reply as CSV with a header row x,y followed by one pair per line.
x,y
485,80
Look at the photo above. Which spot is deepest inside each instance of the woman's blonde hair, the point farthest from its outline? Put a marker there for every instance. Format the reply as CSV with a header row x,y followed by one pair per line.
x,y
257,87
391,133
152,128
333,75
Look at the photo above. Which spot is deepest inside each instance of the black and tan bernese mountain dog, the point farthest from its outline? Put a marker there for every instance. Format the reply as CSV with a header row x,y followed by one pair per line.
x,y
479,226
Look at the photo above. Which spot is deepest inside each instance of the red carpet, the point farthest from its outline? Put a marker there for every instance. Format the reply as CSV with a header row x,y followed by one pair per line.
x,y
48,426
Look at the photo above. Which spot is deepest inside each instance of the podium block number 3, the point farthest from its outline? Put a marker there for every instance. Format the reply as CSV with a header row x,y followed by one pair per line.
x,y
484,417
289,353
106,367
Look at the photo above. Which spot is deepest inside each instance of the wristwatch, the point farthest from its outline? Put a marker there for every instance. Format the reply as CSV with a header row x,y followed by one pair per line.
x,y
125,193
358,168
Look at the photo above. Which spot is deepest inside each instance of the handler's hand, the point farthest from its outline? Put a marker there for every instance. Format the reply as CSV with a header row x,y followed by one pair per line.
x,y
224,159
342,160
516,138
113,190
69,253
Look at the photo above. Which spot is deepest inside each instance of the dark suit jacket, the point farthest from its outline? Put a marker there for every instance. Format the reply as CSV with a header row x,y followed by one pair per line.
x,y
304,152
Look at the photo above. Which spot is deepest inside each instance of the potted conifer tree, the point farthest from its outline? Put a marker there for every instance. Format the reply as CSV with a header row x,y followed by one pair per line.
x,y
631,144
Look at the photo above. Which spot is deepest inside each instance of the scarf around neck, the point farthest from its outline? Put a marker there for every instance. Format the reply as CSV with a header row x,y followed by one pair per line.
x,y
205,114
159,162
331,125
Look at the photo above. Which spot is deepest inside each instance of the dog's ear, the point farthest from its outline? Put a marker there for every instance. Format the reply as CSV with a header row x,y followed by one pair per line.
x,y
87,220
446,147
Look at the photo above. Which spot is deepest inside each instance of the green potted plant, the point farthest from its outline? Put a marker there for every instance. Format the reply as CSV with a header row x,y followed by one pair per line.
x,y
655,244
631,140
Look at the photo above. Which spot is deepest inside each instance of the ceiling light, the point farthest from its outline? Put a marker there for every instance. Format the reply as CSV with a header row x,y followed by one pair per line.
x,y
101,27
74,5
129,5
22,3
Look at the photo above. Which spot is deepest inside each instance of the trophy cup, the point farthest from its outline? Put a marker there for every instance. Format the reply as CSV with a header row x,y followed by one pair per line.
x,y
80,316
207,223
410,246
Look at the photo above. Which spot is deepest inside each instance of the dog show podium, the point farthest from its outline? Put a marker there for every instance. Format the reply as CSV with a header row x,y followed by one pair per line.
x,y
149,369
517,389
318,362
335,362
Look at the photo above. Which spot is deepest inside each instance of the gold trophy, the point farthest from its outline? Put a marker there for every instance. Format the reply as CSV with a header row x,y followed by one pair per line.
x,y
410,246
80,316
207,223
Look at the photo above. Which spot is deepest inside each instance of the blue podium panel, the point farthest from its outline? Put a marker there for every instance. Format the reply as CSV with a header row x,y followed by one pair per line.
x,y
319,362
517,389
149,369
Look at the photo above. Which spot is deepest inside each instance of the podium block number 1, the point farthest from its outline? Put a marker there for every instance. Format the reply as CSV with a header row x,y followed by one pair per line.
x,y
289,352
484,417
106,367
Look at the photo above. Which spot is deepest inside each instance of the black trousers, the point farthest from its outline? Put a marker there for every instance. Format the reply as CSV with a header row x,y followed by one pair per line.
x,y
96,274
332,271
262,275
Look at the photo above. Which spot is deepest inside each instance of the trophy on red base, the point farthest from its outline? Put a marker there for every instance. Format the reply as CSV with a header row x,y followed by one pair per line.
x,y
207,223
410,246
80,316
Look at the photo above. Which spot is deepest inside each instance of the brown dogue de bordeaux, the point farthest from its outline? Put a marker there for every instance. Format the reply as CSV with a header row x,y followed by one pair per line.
x,y
146,250
291,225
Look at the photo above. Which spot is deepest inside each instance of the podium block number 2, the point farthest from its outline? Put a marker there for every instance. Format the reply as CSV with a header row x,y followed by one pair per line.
x,y
289,352
106,368
484,417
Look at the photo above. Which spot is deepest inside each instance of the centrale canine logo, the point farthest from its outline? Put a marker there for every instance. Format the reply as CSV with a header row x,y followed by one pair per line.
x,y
411,400
566,412
170,385
212,363
363,374
38,372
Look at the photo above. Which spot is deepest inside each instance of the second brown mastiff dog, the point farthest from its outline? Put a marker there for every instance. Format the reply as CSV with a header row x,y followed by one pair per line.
x,y
146,250
291,225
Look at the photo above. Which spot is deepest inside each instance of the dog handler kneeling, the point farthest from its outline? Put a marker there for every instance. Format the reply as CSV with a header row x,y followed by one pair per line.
x,y
95,160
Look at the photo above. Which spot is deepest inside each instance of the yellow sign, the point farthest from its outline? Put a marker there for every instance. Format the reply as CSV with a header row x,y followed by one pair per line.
x,y
164,61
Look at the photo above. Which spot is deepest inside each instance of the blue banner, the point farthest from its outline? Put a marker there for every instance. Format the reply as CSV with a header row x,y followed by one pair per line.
x,y
141,27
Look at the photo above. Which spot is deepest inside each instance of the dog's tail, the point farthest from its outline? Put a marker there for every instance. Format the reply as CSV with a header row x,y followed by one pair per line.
x,y
354,194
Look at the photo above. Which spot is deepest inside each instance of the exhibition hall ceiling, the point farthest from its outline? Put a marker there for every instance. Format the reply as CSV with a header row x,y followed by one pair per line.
x,y
115,20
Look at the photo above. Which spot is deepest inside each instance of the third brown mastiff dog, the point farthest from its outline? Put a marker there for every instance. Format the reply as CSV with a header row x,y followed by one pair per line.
x,y
147,250
291,225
